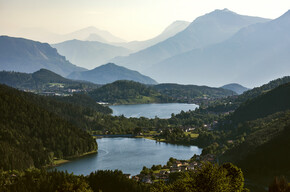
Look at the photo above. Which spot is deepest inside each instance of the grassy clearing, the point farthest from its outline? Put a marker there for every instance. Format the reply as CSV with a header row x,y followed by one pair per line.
x,y
192,135
151,133
60,161
57,162
158,171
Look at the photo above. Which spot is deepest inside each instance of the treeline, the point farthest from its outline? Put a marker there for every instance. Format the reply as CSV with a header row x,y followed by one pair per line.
x,y
31,135
209,177
35,180
189,93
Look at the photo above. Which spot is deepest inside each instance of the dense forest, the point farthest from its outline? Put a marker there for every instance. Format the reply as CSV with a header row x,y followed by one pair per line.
x,y
265,148
263,105
128,92
83,100
32,136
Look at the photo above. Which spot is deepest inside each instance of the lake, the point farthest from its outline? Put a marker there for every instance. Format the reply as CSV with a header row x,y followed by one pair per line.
x,y
163,110
128,155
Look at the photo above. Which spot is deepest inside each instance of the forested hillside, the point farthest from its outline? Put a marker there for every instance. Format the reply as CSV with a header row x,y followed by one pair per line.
x,y
128,92
32,136
264,88
266,146
259,132
268,103
187,93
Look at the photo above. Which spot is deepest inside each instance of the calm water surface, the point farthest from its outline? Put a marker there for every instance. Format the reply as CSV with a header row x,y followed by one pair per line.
x,y
163,110
128,155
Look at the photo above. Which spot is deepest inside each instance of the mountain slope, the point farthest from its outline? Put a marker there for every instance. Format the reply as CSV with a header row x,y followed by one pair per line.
x,y
266,104
264,153
264,125
239,89
41,79
109,73
23,55
170,31
254,55
32,136
89,54
211,28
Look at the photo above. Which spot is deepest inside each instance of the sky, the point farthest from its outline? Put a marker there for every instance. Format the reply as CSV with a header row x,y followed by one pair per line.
x,y
127,19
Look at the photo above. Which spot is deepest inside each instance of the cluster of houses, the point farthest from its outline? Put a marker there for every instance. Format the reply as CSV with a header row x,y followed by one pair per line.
x,y
177,166
58,92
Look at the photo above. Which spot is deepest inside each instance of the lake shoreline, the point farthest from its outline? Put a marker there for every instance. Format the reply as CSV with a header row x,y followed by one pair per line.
x,y
128,155
152,110
58,162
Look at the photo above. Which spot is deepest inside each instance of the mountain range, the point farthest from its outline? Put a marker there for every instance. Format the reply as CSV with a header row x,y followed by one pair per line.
x,y
23,55
208,29
89,33
95,50
171,30
215,49
252,56
89,54
109,73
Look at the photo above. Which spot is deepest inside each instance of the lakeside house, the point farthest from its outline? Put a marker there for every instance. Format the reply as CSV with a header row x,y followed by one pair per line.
x,y
177,166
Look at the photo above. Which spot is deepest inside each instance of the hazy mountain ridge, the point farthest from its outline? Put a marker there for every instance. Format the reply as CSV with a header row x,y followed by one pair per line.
x,y
168,32
259,52
23,55
109,73
88,33
239,89
210,28
89,54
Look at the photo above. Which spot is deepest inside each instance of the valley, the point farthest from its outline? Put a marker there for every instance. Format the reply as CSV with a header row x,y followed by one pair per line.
x,y
200,106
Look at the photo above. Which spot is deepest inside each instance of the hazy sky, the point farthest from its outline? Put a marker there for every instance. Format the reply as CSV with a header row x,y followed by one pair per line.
x,y
128,19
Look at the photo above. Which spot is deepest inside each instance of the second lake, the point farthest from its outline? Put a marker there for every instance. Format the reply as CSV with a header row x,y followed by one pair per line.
x,y
128,155
163,110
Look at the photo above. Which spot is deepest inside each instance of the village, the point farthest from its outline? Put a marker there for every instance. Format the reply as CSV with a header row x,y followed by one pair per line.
x,y
158,173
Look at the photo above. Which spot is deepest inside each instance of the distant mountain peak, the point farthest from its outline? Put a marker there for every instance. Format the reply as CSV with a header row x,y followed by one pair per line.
x,y
285,15
225,10
235,87
109,73
288,12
